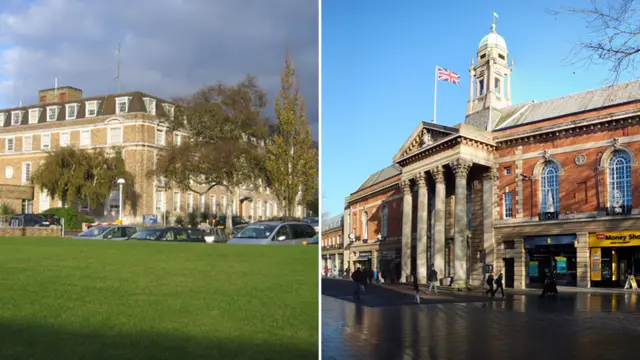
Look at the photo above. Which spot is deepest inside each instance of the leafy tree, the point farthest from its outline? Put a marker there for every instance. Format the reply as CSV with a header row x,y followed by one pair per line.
x,y
292,161
71,174
614,37
226,139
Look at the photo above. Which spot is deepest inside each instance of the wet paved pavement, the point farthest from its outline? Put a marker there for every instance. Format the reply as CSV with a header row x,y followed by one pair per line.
x,y
387,325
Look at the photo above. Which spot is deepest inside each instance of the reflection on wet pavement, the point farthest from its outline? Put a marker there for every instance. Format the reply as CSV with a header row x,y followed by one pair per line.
x,y
572,326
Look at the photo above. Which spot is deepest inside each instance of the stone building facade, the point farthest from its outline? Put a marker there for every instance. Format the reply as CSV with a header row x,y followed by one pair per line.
x,y
132,121
524,190
332,243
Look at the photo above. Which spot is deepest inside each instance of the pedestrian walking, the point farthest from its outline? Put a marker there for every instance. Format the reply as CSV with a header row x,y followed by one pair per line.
x,y
499,285
490,285
348,273
433,280
358,280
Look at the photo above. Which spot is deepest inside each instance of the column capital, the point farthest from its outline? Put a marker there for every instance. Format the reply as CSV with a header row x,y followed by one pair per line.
x,y
438,173
491,174
421,180
461,167
406,187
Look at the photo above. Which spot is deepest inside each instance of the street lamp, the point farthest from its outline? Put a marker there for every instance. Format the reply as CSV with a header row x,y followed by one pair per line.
x,y
120,182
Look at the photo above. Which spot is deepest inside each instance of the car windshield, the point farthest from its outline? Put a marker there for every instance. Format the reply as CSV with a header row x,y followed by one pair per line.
x,y
146,235
314,240
311,220
256,231
94,231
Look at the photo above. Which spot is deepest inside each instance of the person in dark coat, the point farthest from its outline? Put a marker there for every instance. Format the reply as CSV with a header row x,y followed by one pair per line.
x,y
498,282
358,281
490,285
433,280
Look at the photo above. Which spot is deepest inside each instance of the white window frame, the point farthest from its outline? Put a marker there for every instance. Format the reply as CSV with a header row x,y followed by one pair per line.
x,y
161,136
3,118
212,200
619,179
507,211
176,201
13,144
27,206
110,131
189,202
169,109
34,115
56,112
83,140
121,100
203,205
24,142
259,206
44,202
507,170
43,143
26,174
224,204
66,134
150,105
177,139
88,105
75,108
13,118
161,202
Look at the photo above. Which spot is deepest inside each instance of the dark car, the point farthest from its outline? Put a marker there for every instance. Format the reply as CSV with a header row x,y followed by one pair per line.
x,y
167,234
221,221
196,235
29,220
52,219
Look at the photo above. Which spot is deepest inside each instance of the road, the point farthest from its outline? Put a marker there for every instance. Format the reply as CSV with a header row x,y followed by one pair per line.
x,y
386,324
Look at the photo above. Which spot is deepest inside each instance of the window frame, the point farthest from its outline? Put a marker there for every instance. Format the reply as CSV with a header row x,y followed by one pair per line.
x,y
68,135
615,179
163,131
150,105
13,122
34,115
13,144
88,105
507,211
75,107
110,130
550,181
24,148
48,142
88,142
25,176
122,99
56,110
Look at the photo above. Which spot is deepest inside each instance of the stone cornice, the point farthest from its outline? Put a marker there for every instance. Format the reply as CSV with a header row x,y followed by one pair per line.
x,y
373,191
570,128
443,145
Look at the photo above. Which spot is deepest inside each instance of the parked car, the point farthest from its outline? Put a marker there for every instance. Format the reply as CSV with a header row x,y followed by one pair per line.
x,y
236,229
52,219
29,220
275,232
196,235
167,234
313,241
221,221
107,232
313,221
216,236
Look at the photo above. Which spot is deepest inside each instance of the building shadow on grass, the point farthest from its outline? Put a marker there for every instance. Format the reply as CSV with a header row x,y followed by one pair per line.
x,y
36,342
377,295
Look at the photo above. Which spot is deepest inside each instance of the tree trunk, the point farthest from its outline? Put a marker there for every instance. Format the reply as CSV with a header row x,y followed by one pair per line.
x,y
229,224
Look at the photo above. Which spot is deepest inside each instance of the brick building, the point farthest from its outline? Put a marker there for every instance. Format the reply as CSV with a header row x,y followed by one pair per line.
x,y
132,121
332,243
533,187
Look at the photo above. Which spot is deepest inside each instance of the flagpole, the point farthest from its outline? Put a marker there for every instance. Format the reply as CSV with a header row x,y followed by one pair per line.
x,y
435,92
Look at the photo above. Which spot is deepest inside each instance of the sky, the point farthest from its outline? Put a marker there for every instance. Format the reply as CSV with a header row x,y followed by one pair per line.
x,y
378,64
168,47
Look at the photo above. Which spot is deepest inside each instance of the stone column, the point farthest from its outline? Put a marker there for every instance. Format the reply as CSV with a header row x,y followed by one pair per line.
x,y
406,230
421,243
487,215
582,260
438,231
461,169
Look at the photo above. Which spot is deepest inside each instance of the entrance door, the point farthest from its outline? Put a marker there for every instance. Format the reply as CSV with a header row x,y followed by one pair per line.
x,y
508,272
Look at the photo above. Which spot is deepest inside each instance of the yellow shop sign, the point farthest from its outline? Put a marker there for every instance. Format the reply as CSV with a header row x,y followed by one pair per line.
x,y
614,239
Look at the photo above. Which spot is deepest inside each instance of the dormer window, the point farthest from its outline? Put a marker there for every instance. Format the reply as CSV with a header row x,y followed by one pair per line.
x,y
168,108
34,115
72,111
52,113
91,108
122,105
16,117
150,105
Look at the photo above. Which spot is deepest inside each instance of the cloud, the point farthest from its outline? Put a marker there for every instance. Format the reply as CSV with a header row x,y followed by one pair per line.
x,y
168,47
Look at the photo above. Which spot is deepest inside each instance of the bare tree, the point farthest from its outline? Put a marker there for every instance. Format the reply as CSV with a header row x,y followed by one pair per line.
x,y
614,35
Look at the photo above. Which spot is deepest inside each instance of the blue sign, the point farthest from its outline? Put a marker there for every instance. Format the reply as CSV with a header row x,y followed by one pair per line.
x,y
533,268
151,219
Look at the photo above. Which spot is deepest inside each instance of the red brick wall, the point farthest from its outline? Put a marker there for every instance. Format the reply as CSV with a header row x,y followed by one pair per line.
x,y
331,237
394,211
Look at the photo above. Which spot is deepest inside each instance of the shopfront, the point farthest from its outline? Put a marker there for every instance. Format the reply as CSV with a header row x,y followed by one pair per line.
x,y
364,260
551,254
613,256
389,265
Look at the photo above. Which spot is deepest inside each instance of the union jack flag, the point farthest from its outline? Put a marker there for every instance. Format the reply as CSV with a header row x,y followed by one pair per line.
x,y
447,75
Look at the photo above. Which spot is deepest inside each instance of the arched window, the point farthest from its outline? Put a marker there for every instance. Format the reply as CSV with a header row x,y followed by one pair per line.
x,y
384,216
365,225
549,202
619,180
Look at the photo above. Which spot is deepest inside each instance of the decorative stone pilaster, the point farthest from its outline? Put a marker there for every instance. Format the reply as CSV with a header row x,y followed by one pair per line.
x,y
583,272
488,205
406,229
461,170
421,238
439,225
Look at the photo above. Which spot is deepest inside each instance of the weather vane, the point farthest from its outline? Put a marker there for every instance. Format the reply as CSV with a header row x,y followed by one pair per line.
x,y
493,22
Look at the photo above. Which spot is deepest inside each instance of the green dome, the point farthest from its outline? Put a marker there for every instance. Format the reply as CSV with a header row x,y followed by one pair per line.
x,y
493,39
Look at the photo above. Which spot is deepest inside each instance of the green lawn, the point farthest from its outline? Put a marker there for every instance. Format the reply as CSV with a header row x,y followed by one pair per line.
x,y
80,299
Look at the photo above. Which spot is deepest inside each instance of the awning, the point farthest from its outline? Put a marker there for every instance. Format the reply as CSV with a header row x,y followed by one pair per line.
x,y
363,258
531,241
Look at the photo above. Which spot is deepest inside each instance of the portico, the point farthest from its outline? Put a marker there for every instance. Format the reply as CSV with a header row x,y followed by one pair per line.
x,y
446,173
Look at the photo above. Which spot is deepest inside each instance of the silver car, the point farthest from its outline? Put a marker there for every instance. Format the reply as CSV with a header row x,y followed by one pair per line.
x,y
275,233
107,232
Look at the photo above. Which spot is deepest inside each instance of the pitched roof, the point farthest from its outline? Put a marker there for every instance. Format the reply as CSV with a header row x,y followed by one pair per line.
x,y
531,111
332,222
380,176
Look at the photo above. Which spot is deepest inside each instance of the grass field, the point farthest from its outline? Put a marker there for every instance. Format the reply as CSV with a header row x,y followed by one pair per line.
x,y
79,299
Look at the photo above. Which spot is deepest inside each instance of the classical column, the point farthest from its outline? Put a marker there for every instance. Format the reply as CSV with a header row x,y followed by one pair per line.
x,y
460,169
438,233
421,243
406,230
487,215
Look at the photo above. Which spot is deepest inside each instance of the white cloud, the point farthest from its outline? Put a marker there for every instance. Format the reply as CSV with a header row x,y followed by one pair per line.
x,y
169,47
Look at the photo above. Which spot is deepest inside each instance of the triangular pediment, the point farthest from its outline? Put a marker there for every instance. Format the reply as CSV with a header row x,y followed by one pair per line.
x,y
422,137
